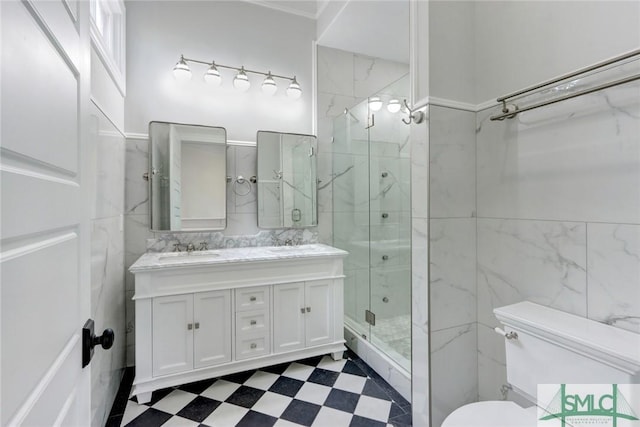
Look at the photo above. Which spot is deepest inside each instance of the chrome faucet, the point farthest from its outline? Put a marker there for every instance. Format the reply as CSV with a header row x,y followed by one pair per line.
x,y
203,246
190,247
176,247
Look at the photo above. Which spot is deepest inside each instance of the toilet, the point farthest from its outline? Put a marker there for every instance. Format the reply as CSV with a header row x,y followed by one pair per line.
x,y
548,346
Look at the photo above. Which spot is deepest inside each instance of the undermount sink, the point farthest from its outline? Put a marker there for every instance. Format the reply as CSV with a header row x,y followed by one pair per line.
x,y
198,254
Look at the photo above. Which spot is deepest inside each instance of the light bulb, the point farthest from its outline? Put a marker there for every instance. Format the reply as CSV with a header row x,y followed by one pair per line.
x,y
394,106
212,76
269,86
375,103
294,91
241,81
181,71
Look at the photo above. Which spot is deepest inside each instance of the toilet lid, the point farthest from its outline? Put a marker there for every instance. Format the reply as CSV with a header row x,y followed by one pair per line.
x,y
491,414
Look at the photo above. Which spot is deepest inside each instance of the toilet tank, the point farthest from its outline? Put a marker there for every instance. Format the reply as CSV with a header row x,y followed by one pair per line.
x,y
554,347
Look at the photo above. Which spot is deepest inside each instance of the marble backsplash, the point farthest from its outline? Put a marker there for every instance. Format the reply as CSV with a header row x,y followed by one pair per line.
x,y
218,240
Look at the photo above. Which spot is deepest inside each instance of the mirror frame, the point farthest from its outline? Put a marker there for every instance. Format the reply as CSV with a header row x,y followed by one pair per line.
x,y
315,187
150,180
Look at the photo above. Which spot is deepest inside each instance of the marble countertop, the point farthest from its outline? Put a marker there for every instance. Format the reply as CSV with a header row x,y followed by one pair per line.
x,y
160,260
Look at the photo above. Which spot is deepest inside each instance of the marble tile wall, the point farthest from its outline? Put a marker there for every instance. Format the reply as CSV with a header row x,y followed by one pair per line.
x,y
452,263
558,216
344,79
107,148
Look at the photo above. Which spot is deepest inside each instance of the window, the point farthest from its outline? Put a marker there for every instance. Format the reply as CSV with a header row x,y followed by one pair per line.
x,y
108,37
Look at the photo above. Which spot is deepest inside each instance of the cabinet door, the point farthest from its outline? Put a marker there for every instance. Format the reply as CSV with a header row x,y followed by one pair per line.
x,y
212,328
172,334
288,317
319,312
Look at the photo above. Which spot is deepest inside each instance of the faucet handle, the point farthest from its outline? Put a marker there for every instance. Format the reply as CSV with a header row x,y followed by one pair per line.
x,y
203,246
191,247
176,247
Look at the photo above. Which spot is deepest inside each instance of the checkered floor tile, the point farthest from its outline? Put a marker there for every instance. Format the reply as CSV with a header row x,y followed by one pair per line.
x,y
313,392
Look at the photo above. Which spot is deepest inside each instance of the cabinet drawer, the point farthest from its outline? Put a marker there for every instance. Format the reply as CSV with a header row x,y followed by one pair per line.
x,y
252,322
252,346
252,298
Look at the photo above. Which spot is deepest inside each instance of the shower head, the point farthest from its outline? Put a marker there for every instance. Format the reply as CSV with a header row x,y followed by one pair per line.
x,y
346,111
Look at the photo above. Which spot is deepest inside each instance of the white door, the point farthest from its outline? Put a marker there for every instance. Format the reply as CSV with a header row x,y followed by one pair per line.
x,y
288,317
319,312
212,326
172,334
44,247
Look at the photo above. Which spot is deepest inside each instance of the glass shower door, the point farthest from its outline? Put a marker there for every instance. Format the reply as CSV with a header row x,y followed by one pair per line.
x,y
371,204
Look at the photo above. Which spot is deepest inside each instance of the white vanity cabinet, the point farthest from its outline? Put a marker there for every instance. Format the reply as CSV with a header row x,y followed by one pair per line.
x,y
302,315
191,331
213,313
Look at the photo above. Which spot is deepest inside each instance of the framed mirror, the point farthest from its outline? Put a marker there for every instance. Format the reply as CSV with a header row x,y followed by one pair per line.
x,y
287,180
187,177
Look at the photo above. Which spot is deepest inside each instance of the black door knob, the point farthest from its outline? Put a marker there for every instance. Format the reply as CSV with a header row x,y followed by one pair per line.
x,y
105,340
90,340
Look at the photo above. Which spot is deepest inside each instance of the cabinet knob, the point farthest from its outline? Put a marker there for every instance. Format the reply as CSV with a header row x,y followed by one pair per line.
x,y
302,310
254,345
385,257
189,326
252,299
385,215
308,309
197,325
253,322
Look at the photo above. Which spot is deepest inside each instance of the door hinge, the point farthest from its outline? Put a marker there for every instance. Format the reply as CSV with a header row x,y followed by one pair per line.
x,y
370,317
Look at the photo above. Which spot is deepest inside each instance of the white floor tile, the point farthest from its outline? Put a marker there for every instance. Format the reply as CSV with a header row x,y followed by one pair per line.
x,y
180,422
352,383
298,371
376,409
262,380
332,417
225,415
332,365
220,390
174,401
131,411
272,404
314,393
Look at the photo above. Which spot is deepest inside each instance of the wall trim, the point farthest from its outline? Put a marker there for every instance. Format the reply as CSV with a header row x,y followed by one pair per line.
x,y
145,136
285,9
104,113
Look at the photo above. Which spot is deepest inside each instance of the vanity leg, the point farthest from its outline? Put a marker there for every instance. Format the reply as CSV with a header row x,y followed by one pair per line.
x,y
144,397
337,355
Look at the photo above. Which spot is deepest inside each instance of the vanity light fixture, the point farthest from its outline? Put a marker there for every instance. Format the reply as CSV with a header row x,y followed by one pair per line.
x,y
375,103
394,106
241,81
294,91
269,86
182,72
212,76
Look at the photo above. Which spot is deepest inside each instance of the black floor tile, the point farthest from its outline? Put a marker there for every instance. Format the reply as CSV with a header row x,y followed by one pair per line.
x,y
198,386
301,412
396,411
358,421
401,421
342,400
311,361
286,386
240,377
351,368
150,417
199,408
276,369
324,377
372,389
245,396
256,419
